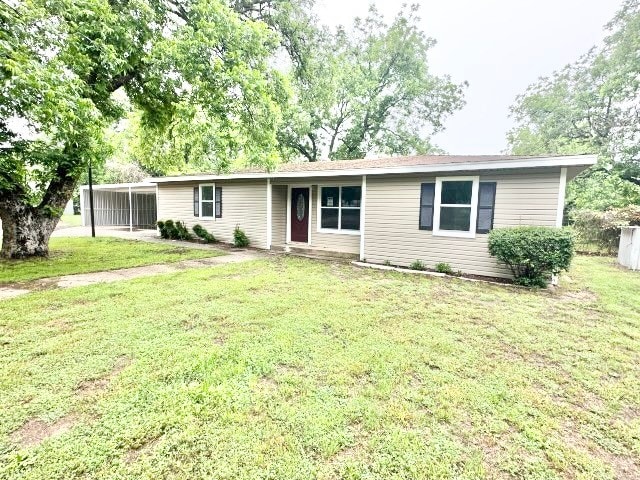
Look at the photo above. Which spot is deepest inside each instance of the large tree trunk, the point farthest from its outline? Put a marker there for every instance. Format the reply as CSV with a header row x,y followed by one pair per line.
x,y
25,231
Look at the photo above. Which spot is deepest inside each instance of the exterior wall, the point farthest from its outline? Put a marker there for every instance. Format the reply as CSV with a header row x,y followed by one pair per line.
x,y
279,214
329,241
523,197
244,203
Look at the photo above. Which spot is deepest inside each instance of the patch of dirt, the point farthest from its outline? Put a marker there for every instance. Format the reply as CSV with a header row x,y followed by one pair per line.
x,y
135,453
623,466
580,296
34,432
60,325
98,385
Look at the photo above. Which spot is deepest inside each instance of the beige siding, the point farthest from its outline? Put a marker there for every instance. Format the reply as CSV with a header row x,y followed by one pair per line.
x,y
392,207
337,242
279,214
329,241
244,203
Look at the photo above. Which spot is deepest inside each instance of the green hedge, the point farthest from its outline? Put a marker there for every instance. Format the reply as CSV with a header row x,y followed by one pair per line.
x,y
533,254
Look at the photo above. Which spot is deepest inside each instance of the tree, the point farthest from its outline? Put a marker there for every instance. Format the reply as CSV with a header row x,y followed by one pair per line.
x,y
180,62
369,90
590,106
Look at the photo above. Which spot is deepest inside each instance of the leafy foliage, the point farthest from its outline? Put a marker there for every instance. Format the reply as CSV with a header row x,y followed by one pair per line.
x,y
602,229
202,233
368,90
532,254
70,68
591,106
418,265
174,230
443,267
240,239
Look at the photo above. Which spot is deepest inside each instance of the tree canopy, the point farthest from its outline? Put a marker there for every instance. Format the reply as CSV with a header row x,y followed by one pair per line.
x,y
199,72
591,106
368,90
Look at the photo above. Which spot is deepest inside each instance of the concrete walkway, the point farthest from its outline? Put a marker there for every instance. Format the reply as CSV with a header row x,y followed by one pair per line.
x,y
109,276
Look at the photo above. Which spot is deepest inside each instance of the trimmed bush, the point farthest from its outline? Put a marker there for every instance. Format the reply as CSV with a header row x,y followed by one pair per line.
x,y
443,267
533,254
202,233
163,229
174,231
170,229
182,233
418,265
240,239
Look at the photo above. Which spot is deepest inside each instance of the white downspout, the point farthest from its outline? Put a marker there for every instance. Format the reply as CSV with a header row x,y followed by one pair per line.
x,y
269,213
130,212
363,202
561,193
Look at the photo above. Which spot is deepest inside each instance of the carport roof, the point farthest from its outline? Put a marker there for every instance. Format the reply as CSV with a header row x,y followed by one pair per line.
x,y
124,187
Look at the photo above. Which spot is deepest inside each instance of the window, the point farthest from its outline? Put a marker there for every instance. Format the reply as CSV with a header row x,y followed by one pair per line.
x,y
340,208
455,210
207,201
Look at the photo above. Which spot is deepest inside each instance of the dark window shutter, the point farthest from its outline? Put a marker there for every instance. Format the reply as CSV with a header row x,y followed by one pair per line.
x,y
486,206
427,194
196,201
218,202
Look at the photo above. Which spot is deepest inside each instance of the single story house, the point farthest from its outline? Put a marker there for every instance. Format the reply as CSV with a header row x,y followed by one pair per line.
x,y
432,208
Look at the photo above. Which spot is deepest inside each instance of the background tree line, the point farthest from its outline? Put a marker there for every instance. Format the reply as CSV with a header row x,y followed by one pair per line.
x,y
591,106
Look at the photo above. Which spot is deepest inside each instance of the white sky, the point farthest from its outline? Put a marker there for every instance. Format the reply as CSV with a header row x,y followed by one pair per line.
x,y
498,46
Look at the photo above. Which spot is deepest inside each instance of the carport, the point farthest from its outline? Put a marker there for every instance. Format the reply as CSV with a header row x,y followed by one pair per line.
x,y
130,205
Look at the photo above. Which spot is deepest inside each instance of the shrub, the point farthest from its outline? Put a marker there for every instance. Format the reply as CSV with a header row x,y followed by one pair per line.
x,y
170,229
202,233
417,265
240,239
602,229
181,231
532,254
444,268
163,229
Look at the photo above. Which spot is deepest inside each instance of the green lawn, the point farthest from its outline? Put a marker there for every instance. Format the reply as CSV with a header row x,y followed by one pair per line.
x,y
71,220
69,255
295,369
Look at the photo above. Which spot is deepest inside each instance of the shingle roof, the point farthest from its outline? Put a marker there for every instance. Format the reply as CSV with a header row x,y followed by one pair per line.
x,y
416,163
395,162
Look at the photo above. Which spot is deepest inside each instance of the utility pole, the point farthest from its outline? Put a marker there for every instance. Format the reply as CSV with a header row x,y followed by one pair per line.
x,y
93,221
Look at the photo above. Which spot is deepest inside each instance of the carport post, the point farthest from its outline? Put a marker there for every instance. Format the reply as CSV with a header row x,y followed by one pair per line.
x,y
130,211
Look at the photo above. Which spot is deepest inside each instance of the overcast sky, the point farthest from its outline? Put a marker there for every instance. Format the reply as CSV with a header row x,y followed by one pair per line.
x,y
498,46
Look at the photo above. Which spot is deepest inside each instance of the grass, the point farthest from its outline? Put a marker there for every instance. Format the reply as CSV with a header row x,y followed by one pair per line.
x,y
69,255
295,369
71,220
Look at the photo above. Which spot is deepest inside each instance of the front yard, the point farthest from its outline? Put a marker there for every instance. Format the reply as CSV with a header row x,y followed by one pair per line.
x,y
295,369
70,255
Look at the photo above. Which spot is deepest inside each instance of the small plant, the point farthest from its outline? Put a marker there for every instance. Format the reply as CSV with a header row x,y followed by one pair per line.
x,y
387,263
202,233
417,265
240,239
163,229
533,254
181,232
170,229
443,267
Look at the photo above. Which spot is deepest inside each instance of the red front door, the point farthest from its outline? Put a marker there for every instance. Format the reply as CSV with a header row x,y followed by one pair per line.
x,y
300,214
